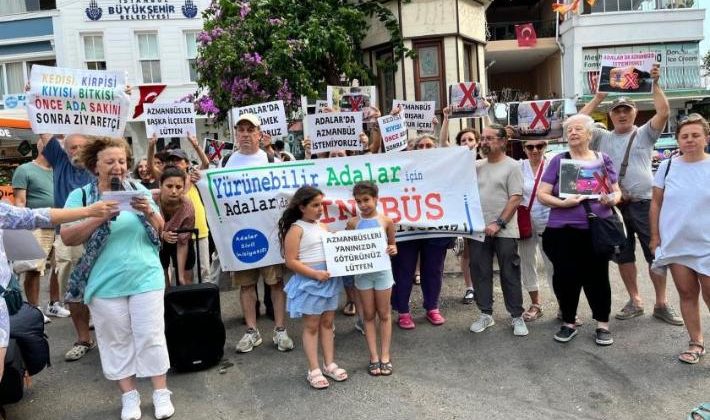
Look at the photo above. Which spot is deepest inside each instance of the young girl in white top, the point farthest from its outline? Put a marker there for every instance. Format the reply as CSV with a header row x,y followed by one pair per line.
x,y
311,292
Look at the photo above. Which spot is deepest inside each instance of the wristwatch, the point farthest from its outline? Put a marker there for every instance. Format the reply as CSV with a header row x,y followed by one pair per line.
x,y
500,222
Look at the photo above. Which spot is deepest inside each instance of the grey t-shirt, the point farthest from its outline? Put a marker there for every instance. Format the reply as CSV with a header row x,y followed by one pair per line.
x,y
497,182
638,180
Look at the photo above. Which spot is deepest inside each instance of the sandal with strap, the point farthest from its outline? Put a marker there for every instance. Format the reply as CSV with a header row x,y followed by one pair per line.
x,y
386,368
316,379
534,312
335,373
701,412
693,355
373,368
349,309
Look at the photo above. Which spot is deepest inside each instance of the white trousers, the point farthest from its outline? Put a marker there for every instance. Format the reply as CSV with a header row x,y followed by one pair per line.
x,y
130,332
530,251
204,245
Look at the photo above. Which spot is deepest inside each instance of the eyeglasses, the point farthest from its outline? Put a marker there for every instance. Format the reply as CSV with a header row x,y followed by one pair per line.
x,y
531,147
425,146
489,138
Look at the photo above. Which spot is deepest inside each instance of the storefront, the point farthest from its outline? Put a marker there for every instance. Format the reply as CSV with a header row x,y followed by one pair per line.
x,y
17,146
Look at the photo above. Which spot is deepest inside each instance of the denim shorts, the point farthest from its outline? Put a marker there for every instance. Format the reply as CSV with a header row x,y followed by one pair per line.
x,y
379,280
348,281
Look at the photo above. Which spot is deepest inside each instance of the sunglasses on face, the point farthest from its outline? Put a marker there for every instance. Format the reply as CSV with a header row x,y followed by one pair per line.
x,y
531,147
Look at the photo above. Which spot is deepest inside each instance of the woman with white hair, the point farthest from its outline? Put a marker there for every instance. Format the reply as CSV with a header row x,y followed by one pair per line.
x,y
567,240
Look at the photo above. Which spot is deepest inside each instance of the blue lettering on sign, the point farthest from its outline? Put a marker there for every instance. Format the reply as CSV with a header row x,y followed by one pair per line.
x,y
249,245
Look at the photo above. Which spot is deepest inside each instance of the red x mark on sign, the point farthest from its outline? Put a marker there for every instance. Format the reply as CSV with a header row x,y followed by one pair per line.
x,y
468,94
632,80
601,187
355,103
217,154
540,114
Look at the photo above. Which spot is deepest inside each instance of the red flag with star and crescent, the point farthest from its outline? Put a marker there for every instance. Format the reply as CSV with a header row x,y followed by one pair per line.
x,y
148,95
526,35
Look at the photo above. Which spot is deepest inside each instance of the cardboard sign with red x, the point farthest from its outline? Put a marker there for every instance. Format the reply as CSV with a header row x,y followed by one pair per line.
x,y
216,150
465,100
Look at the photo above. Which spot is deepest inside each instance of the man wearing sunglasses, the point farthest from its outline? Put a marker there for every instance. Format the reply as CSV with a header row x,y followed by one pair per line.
x,y
630,148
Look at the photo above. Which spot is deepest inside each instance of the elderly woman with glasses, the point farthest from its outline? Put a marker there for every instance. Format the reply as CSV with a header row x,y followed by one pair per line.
x,y
567,240
431,254
530,248
680,234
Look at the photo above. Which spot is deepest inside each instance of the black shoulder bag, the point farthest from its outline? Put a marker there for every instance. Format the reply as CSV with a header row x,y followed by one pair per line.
x,y
608,237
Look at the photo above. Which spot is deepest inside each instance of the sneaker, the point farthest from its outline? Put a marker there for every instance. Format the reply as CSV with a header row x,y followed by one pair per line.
x,y
282,341
161,403
131,405
565,334
406,322
468,297
668,314
483,322
79,350
629,311
251,339
603,337
434,316
519,327
360,325
57,310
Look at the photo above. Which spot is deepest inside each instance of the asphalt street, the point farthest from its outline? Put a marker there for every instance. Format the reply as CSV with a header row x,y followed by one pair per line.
x,y
441,372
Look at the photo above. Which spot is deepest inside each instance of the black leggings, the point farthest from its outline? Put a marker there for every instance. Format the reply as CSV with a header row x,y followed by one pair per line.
x,y
576,267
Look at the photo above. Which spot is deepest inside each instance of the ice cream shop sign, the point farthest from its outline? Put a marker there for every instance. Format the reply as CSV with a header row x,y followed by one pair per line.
x,y
103,10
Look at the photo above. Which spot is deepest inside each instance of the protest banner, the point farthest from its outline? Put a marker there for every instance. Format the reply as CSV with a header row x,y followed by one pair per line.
x,y
244,205
465,100
627,73
321,105
271,114
7,194
393,129
583,177
350,252
419,115
353,99
537,120
334,131
216,150
67,101
169,120
14,101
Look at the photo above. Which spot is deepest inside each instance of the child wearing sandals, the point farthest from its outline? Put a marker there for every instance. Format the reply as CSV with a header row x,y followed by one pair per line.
x,y
311,292
375,288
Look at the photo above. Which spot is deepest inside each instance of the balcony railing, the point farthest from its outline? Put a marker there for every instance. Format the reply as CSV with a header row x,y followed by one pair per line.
x,y
605,6
13,7
499,31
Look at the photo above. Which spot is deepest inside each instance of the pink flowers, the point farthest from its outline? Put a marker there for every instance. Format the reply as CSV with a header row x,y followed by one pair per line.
x,y
205,105
252,58
244,10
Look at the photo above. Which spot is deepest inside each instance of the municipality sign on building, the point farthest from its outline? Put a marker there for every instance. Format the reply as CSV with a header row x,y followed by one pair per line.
x,y
103,10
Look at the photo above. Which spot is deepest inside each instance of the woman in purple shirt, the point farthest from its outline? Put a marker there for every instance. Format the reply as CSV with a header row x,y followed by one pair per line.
x,y
567,240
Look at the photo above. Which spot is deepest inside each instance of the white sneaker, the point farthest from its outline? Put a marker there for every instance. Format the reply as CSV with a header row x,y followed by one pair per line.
x,y
251,339
282,341
483,322
57,310
131,402
519,327
161,402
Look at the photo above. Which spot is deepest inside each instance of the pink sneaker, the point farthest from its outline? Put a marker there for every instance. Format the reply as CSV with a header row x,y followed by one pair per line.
x,y
406,322
434,316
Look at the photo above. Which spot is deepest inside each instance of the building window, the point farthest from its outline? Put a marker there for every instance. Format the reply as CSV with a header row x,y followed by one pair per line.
x,y
149,58
191,48
385,79
94,52
15,73
429,72
11,7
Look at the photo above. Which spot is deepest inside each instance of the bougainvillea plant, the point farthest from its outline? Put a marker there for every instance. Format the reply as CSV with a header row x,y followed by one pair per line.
x,y
262,50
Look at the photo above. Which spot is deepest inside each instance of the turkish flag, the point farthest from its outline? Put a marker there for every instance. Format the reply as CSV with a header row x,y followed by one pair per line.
x,y
525,34
149,94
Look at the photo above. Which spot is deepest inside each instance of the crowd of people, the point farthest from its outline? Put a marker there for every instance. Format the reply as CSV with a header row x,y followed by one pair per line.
x,y
114,266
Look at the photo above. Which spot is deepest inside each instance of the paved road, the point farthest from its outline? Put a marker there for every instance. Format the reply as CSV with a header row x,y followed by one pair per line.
x,y
440,373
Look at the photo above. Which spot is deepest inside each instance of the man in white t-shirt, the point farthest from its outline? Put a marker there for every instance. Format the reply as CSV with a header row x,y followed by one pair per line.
x,y
635,180
249,138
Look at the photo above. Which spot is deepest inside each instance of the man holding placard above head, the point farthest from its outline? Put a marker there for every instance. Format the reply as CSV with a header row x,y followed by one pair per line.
x,y
249,138
630,148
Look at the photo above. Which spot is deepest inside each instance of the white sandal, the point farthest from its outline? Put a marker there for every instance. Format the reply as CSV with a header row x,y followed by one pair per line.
x,y
335,373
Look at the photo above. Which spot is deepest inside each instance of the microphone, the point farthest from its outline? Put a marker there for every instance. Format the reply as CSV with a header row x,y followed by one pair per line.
x,y
115,186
